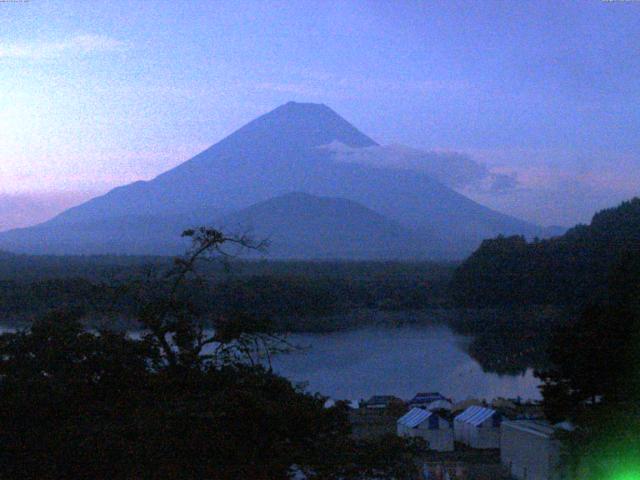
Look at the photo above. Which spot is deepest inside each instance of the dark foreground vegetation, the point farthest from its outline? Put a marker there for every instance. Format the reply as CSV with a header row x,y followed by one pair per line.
x,y
573,269
594,382
98,405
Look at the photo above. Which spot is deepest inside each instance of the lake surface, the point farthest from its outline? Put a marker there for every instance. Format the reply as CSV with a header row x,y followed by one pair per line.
x,y
396,361
401,361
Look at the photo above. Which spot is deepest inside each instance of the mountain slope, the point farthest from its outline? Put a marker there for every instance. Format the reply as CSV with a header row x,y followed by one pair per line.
x,y
120,235
280,152
304,226
266,157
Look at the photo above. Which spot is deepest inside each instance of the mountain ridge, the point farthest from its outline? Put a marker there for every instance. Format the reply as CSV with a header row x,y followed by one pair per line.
x,y
277,153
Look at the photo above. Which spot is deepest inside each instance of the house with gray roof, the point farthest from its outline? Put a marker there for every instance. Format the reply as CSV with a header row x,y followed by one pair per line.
x,y
478,427
435,430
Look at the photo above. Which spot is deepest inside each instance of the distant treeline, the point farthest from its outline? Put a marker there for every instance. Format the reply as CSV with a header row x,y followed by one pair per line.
x,y
296,295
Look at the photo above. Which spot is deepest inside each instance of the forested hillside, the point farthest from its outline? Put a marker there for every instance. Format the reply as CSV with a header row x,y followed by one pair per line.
x,y
572,269
296,295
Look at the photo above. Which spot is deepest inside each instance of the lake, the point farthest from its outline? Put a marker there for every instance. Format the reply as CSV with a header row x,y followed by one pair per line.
x,y
399,361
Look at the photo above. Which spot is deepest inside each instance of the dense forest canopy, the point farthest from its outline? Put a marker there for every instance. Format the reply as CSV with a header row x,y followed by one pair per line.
x,y
568,270
295,294
101,267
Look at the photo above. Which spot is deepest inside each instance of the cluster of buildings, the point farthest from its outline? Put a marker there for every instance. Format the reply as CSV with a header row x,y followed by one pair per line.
x,y
528,449
476,427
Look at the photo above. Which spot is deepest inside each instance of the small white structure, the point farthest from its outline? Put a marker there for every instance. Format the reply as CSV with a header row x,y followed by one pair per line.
x,y
435,430
380,402
529,450
352,404
440,405
424,399
478,427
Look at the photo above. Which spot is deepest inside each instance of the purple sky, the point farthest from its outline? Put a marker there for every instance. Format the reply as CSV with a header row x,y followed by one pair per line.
x,y
96,94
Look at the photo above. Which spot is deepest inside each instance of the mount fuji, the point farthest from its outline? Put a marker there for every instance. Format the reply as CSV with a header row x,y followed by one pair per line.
x,y
388,212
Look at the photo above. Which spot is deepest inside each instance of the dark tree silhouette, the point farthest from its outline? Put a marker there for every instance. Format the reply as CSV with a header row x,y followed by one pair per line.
x,y
97,405
595,381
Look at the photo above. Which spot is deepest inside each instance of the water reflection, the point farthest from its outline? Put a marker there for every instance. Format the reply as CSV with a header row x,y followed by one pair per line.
x,y
400,361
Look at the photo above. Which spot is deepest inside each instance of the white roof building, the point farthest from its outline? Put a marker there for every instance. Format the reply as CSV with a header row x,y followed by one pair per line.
x,y
352,404
435,430
529,450
478,427
440,405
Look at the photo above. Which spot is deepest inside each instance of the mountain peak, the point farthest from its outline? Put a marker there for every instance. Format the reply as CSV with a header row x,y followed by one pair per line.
x,y
292,104
300,125
304,107
276,153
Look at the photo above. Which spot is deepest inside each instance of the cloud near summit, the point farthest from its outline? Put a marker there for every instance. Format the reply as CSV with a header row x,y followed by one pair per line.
x,y
456,170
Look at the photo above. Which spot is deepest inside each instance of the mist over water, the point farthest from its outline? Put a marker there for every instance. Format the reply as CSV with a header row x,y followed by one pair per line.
x,y
396,361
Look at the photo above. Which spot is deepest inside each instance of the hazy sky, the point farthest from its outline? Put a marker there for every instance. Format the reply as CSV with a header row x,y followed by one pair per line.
x,y
94,94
